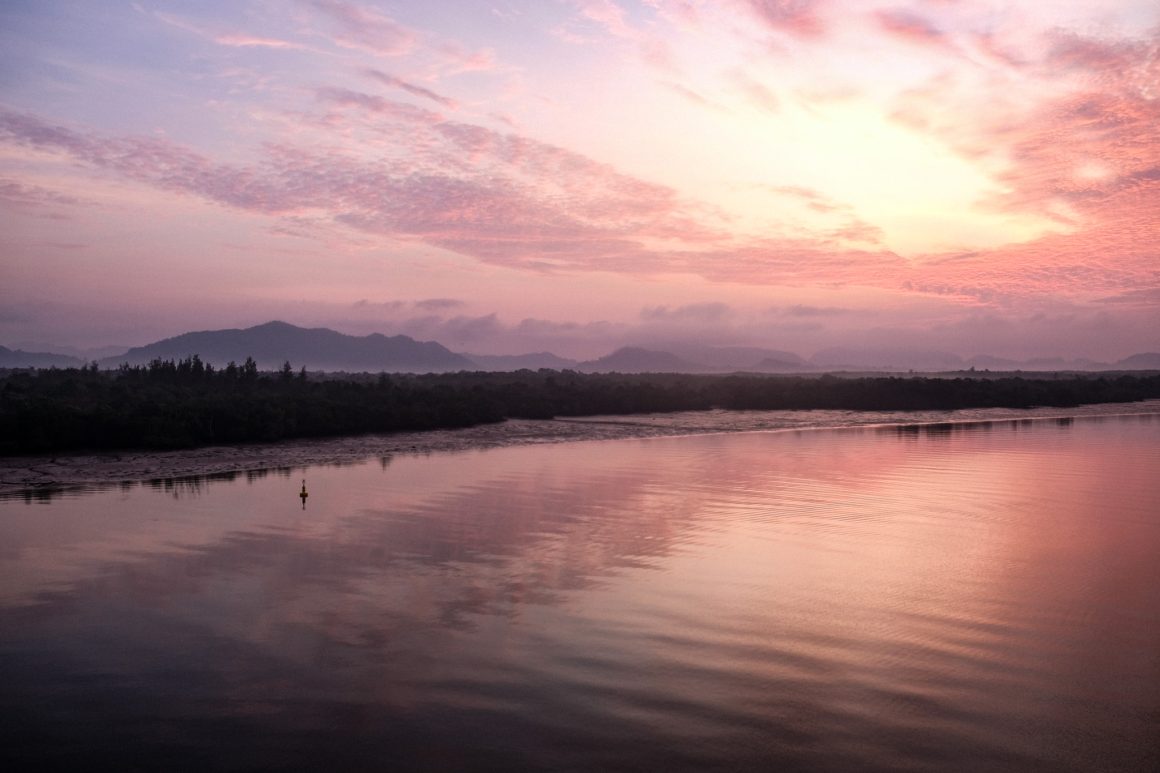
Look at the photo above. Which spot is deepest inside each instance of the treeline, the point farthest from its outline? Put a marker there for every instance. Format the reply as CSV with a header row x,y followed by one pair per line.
x,y
181,404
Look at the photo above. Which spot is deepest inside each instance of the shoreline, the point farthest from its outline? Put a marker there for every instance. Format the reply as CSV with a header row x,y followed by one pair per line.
x,y
58,473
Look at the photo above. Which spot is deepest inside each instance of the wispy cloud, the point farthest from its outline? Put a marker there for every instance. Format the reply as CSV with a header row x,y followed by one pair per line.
x,y
440,304
910,26
1149,297
356,26
233,38
380,306
418,91
758,94
37,199
242,40
696,312
800,18
805,310
608,15
1082,154
381,106
459,59
425,304
692,96
500,198
849,228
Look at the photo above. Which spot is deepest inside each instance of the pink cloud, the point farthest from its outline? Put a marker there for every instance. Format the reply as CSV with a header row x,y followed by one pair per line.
x,y
851,228
241,40
1085,156
1096,261
383,306
37,200
693,312
510,200
533,206
811,196
1095,148
805,310
792,262
410,88
235,39
758,94
679,12
858,231
656,52
590,190
398,111
986,43
692,96
460,59
800,18
1091,141
366,29
910,26
608,15
439,304
457,331
1149,297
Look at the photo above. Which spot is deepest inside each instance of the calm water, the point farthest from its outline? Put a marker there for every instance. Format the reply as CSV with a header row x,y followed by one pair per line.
x,y
952,597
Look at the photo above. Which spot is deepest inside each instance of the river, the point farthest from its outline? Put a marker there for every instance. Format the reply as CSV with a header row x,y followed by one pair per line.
x,y
963,591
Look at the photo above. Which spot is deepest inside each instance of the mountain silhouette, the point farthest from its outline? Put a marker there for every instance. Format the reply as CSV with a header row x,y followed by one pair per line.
x,y
512,362
633,359
275,343
17,358
877,358
727,359
1142,361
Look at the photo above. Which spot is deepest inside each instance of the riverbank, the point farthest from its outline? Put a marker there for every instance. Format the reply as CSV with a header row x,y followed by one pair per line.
x,y
54,474
171,406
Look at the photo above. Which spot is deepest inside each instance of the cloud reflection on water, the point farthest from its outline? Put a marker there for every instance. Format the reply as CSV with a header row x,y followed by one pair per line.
x,y
858,591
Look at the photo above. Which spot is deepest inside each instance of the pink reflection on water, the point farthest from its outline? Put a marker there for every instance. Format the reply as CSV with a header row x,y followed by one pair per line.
x,y
867,594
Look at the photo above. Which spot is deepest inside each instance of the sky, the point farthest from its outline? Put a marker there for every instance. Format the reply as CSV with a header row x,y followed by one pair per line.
x,y
577,175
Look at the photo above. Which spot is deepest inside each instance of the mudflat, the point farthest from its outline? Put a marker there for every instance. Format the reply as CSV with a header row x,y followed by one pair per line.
x,y
64,471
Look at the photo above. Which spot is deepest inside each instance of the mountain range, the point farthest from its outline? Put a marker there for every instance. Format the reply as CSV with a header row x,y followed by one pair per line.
x,y
274,343
17,358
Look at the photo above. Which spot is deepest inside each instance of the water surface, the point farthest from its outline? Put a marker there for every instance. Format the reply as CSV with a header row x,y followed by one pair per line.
x,y
953,596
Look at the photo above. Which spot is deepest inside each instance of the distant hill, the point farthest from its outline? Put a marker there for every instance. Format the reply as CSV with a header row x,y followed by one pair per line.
x,y
679,357
774,365
1046,363
989,362
16,358
633,359
512,362
850,358
737,358
885,359
1143,361
274,343
94,354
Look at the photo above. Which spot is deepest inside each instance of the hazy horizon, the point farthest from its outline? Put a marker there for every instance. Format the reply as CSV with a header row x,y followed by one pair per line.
x,y
693,353
582,175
